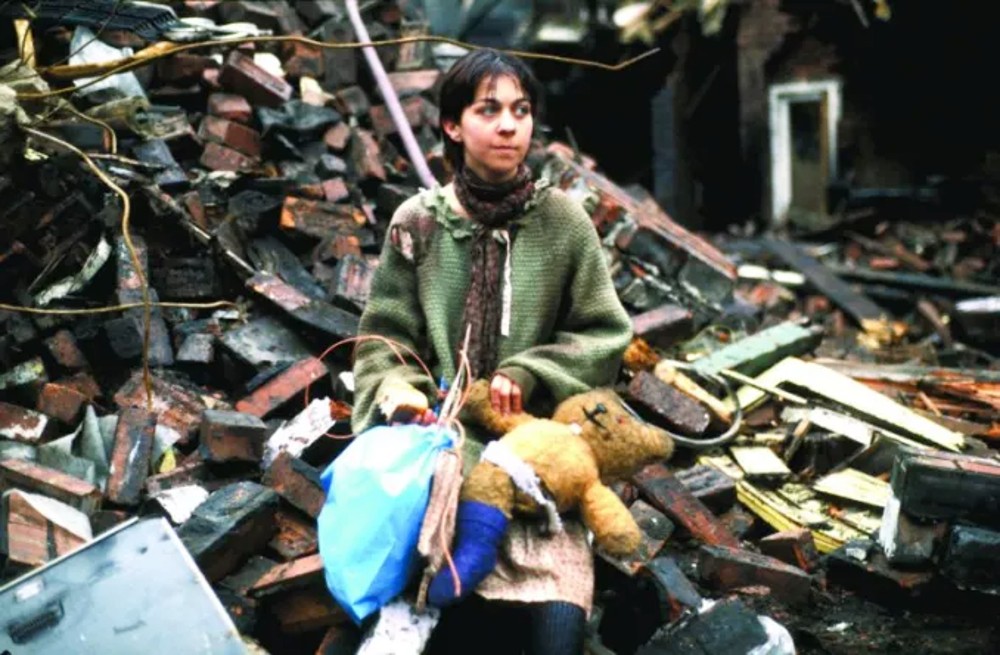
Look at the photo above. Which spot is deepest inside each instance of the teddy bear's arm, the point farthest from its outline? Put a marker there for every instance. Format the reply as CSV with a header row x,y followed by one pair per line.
x,y
612,524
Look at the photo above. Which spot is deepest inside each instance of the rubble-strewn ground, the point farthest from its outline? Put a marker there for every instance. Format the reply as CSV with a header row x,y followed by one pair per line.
x,y
265,176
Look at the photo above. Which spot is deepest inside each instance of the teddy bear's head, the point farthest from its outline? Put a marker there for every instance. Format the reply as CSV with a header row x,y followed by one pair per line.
x,y
622,442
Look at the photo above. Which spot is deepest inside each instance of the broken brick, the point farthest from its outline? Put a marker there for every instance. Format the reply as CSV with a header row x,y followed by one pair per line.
x,y
905,540
77,493
367,156
130,455
663,326
197,349
302,60
796,547
709,485
296,536
971,557
666,493
283,387
334,190
230,134
305,610
231,436
235,522
183,67
62,402
290,575
672,409
218,157
320,219
20,424
726,568
336,137
65,351
727,626
176,406
296,482
193,471
242,76
35,530
230,106
948,486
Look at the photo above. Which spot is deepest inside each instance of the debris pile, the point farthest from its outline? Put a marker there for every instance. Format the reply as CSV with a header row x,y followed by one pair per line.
x,y
836,399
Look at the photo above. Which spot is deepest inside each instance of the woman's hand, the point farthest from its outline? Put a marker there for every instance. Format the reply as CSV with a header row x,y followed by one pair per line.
x,y
505,395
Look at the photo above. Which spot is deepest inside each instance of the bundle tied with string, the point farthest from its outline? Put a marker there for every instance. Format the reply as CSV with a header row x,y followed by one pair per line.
x,y
391,499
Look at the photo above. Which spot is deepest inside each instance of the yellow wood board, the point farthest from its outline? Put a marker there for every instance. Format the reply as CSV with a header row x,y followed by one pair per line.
x,y
844,391
759,461
856,486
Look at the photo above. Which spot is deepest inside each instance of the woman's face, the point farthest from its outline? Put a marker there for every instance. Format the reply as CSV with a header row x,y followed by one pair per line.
x,y
495,130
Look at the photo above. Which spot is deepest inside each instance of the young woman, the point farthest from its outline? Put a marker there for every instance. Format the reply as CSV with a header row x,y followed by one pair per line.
x,y
517,265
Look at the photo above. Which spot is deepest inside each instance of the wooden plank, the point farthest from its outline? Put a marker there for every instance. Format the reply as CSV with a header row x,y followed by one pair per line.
x,y
759,462
850,484
854,397
860,307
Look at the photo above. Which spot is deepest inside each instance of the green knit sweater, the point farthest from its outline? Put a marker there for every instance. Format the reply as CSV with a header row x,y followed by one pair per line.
x,y
568,329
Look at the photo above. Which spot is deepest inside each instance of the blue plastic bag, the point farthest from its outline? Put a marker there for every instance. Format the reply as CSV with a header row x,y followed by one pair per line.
x,y
376,496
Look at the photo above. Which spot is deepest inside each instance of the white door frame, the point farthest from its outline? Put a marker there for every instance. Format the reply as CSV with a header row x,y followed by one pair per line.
x,y
780,96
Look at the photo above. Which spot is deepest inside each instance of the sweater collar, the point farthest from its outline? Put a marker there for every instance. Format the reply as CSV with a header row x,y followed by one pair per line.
x,y
461,228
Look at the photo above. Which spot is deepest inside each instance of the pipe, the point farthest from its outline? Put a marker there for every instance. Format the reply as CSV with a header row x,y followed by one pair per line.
x,y
391,99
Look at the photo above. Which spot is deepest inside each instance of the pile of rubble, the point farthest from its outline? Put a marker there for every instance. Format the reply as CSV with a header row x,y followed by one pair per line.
x,y
828,447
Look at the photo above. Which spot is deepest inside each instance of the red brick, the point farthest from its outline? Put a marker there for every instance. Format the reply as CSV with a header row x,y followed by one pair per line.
x,y
241,75
62,402
21,424
230,106
182,67
130,455
283,387
320,219
366,154
352,100
16,473
664,326
65,351
218,157
725,568
336,137
301,59
296,482
668,406
666,493
306,610
795,547
231,436
334,190
296,536
177,407
230,134
290,575
414,109
29,537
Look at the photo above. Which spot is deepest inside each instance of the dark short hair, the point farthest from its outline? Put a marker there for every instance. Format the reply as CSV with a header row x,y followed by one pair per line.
x,y
458,90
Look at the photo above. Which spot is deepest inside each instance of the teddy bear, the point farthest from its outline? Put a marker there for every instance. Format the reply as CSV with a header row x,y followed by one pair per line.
x,y
547,466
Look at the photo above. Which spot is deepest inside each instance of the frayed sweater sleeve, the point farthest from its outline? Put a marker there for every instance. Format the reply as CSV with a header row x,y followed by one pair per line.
x,y
591,330
393,311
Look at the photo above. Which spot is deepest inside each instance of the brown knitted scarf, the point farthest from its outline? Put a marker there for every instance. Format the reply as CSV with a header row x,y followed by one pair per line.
x,y
491,207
